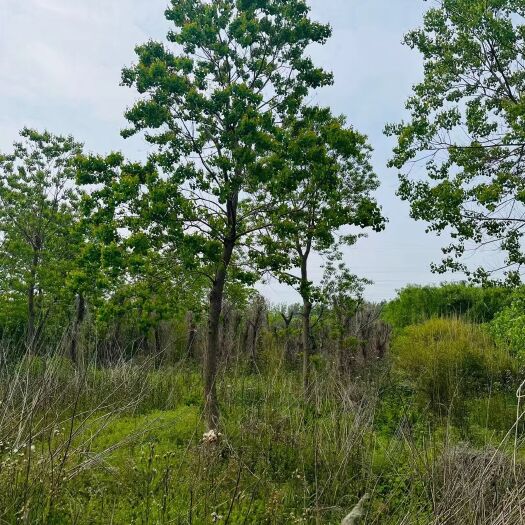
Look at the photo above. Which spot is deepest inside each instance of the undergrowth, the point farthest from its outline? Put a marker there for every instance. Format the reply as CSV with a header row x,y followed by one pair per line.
x,y
124,444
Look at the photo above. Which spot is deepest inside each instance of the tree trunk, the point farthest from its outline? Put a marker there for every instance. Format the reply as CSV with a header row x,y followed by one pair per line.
x,y
212,352
341,365
192,335
253,344
288,353
214,316
245,337
342,359
256,327
77,325
288,357
213,346
225,322
31,309
158,344
307,345
307,312
236,335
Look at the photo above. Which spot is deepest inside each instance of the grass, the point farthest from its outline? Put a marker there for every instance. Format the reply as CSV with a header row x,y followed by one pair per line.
x,y
124,445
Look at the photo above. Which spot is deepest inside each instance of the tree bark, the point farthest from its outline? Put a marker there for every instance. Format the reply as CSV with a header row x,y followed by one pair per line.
x,y
225,321
341,362
342,331
158,344
192,335
307,312
212,351
213,346
307,346
31,309
288,357
77,325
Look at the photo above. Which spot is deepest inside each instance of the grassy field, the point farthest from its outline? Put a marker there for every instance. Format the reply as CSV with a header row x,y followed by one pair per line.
x,y
429,440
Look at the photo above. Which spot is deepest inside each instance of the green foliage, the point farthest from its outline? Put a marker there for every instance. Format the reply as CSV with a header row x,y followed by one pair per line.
x,y
487,415
39,230
217,99
447,360
213,107
466,131
132,267
415,304
324,183
508,327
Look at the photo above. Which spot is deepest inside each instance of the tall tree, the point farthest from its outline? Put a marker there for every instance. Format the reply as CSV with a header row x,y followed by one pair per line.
x,y
466,130
214,97
37,201
325,184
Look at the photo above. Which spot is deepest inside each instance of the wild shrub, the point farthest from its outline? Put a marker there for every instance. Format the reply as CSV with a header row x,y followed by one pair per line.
x,y
508,327
447,360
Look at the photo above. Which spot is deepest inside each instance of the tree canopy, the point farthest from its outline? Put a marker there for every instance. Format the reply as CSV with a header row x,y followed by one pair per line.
x,y
466,131
38,224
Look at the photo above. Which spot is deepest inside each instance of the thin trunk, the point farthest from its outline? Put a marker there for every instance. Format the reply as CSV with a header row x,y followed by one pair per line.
x,y
142,336
80,312
245,337
212,352
235,343
256,327
342,358
288,353
307,312
307,345
340,353
214,317
114,349
31,309
253,346
192,335
158,344
288,357
225,321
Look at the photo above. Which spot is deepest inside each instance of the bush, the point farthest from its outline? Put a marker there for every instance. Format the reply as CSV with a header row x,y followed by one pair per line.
x,y
416,304
448,360
508,327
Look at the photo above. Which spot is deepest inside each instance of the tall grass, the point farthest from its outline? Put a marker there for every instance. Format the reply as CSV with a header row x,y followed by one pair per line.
x,y
124,444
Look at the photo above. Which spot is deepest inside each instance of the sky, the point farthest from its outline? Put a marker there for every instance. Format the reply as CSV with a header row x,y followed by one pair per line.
x,y
60,64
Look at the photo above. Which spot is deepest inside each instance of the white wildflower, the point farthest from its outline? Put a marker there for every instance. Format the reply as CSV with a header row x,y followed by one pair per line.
x,y
212,436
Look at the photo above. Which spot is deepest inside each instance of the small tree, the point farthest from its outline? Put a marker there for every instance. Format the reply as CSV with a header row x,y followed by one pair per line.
x,y
343,292
466,130
325,184
214,98
37,221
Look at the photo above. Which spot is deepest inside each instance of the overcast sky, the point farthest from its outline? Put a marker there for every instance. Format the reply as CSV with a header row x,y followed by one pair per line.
x,y
60,63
